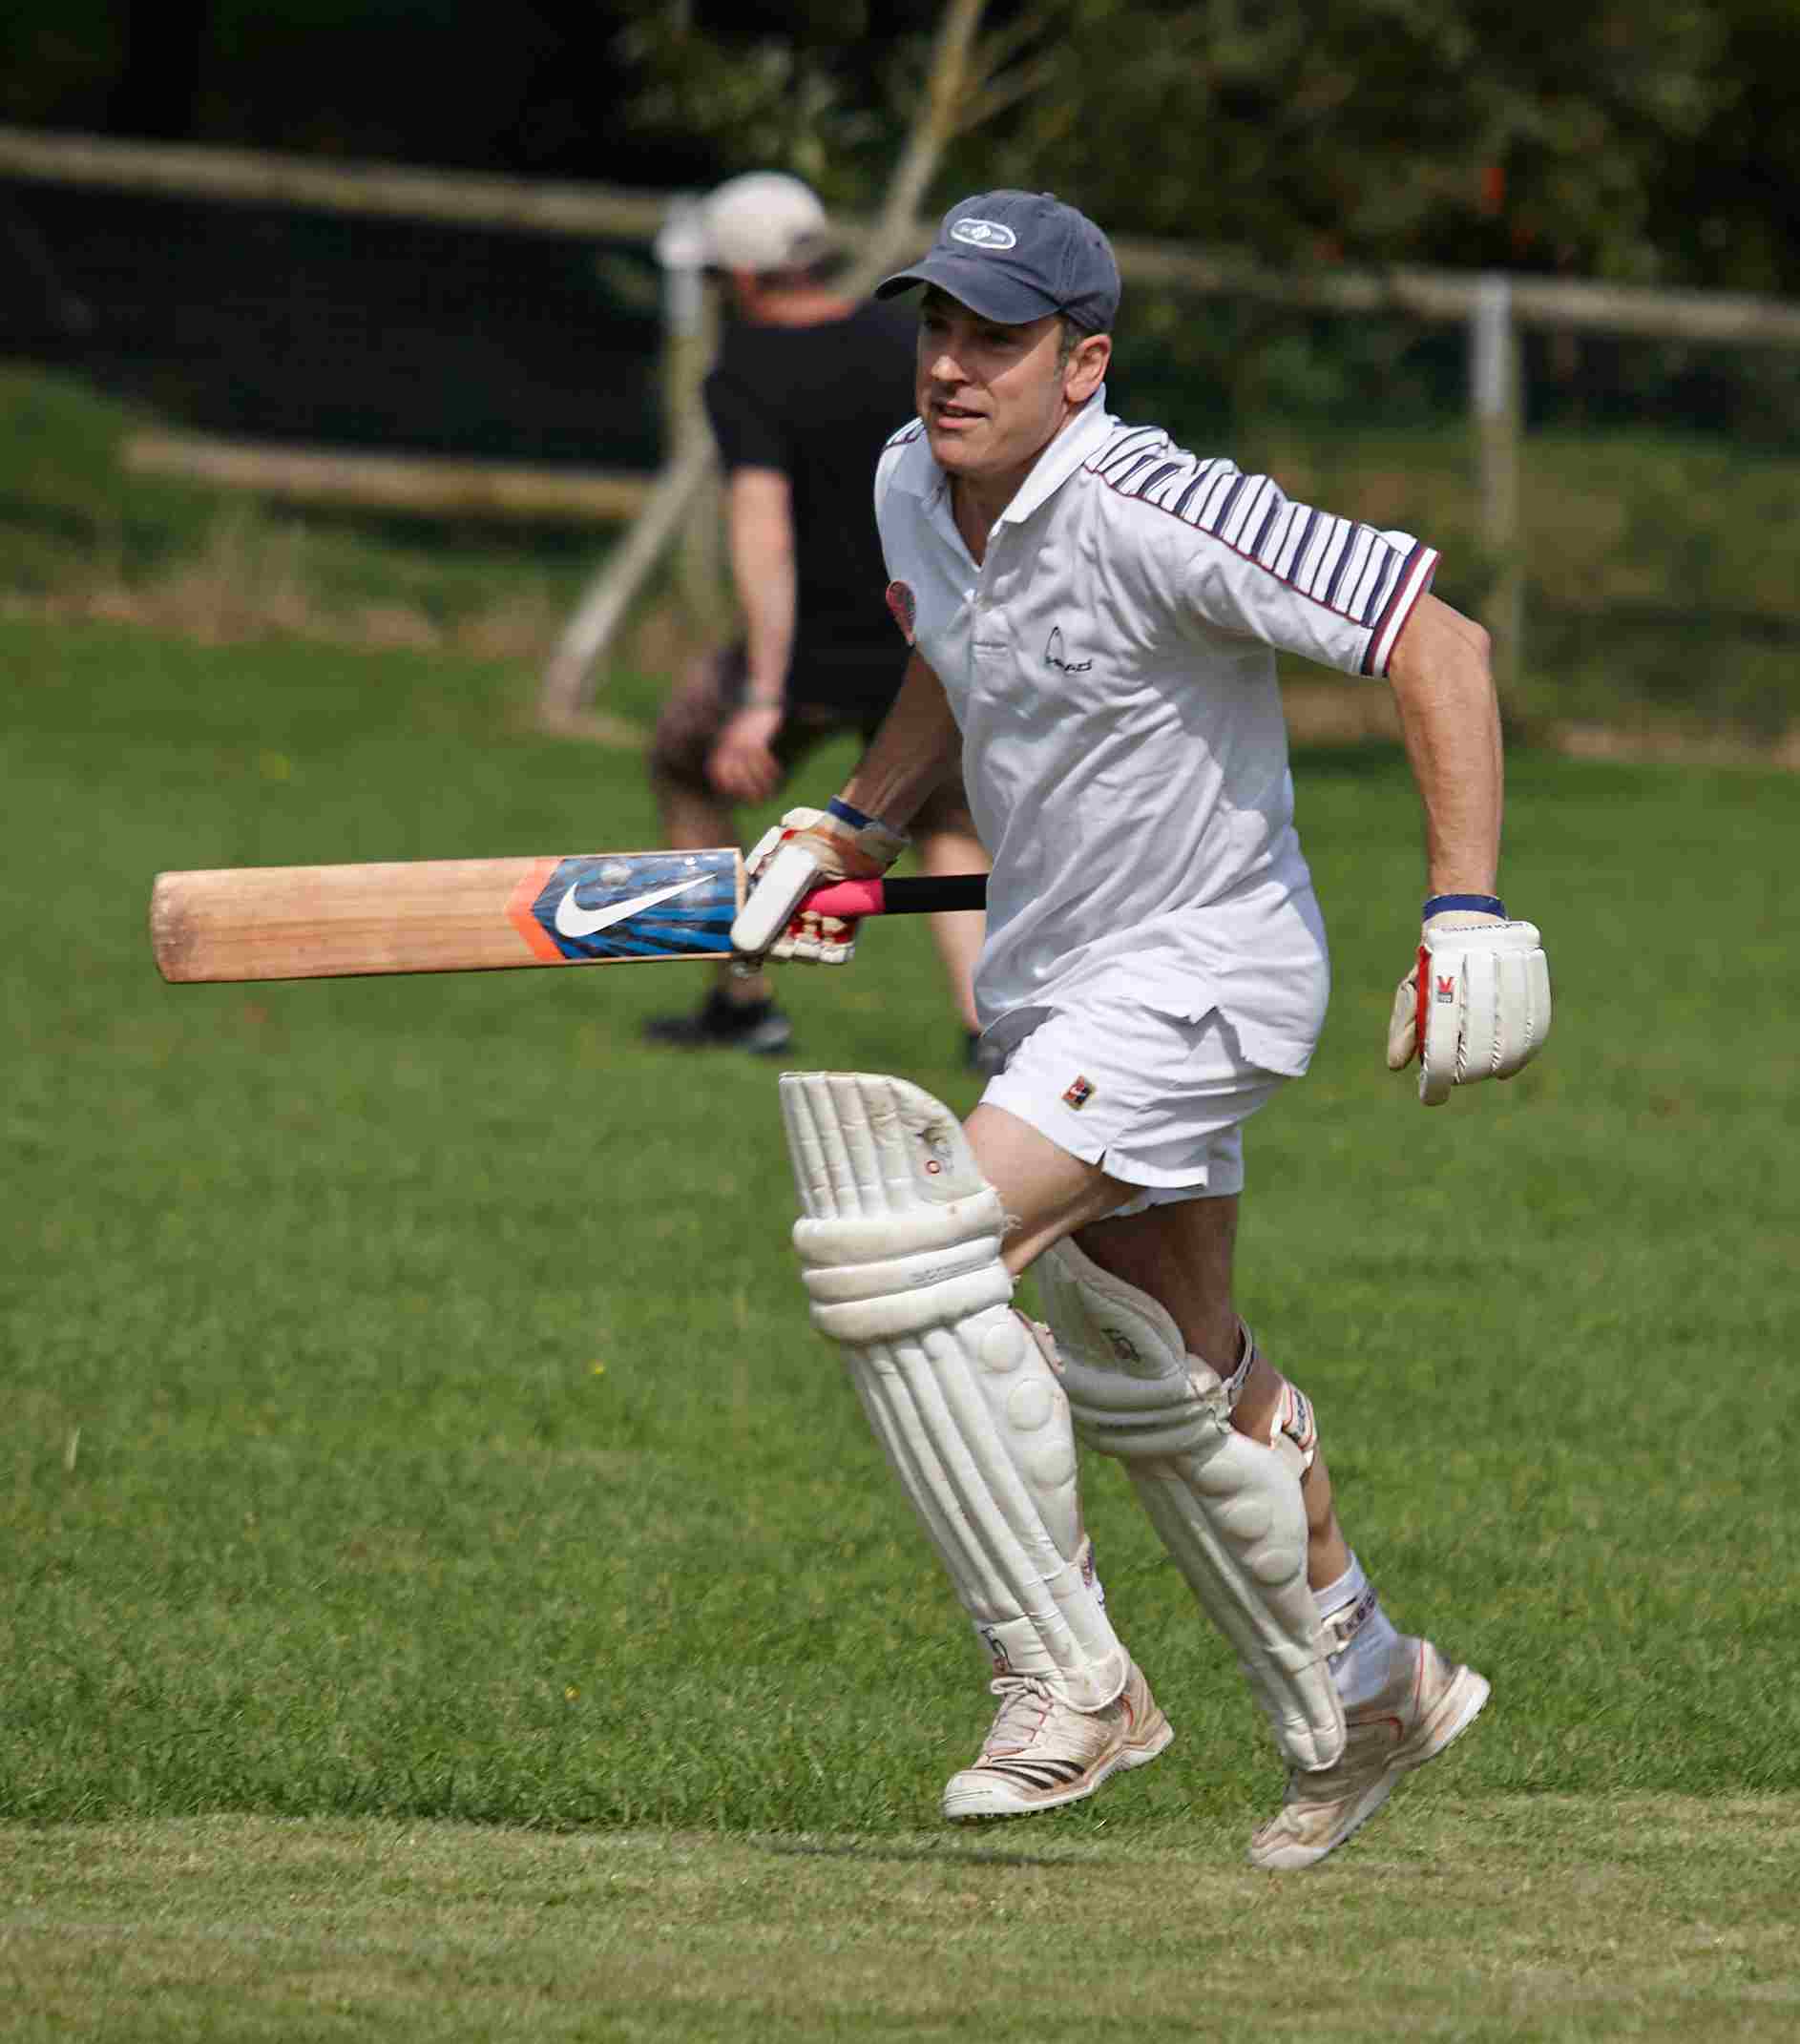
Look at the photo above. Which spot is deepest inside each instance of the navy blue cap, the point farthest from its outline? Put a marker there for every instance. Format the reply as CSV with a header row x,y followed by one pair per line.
x,y
1012,256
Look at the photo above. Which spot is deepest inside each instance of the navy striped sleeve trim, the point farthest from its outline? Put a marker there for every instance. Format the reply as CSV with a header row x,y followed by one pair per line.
x,y
1179,509
1125,452
1414,580
1341,564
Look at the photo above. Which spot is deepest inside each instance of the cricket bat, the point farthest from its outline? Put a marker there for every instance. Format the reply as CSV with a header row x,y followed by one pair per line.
x,y
482,915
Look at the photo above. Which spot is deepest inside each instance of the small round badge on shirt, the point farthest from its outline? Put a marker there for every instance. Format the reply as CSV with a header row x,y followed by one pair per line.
x,y
905,607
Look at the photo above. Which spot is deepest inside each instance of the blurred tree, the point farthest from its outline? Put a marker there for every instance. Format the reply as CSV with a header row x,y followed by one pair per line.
x,y
1522,135
164,44
1646,143
1514,133
59,63
1731,196
822,91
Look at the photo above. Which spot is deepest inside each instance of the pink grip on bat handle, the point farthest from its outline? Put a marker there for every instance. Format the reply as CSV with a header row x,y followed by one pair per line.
x,y
849,899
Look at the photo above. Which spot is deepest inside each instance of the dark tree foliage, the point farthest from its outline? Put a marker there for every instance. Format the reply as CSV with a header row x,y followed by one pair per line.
x,y
1649,144
1605,137
1470,133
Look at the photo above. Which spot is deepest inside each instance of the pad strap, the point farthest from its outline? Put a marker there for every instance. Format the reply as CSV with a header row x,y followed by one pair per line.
x,y
1348,1620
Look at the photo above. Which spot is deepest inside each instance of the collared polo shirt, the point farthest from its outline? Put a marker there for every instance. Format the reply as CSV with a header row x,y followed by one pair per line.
x,y
1110,663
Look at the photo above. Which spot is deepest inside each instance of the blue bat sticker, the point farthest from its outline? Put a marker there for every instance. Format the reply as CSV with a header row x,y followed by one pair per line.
x,y
639,905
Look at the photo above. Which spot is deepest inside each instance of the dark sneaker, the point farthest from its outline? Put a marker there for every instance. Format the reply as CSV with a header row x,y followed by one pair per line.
x,y
718,1024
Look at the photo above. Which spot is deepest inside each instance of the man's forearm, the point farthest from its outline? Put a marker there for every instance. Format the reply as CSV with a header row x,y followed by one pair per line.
x,y
768,635
766,576
916,745
1450,720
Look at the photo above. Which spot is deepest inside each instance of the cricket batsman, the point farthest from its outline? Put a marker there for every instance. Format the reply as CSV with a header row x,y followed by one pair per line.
x,y
1094,615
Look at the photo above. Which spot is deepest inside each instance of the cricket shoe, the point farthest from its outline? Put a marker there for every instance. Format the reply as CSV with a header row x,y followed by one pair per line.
x,y
718,1024
1041,1752
1424,1705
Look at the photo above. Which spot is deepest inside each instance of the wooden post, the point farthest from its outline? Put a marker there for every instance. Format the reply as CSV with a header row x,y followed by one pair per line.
x,y
597,617
690,340
682,501
1495,395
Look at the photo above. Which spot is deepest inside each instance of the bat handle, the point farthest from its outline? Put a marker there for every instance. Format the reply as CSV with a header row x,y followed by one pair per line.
x,y
850,899
854,899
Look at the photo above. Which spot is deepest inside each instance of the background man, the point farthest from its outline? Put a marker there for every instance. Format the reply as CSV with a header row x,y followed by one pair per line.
x,y
807,386
1094,616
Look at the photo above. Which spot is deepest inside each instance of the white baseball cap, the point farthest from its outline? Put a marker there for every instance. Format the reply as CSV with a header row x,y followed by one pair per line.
x,y
765,220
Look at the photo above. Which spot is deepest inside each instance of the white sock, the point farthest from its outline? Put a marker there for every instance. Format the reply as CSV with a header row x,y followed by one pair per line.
x,y
1360,1669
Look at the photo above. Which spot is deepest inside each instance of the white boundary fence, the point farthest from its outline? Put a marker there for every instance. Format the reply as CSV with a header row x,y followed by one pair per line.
x,y
614,213
1492,309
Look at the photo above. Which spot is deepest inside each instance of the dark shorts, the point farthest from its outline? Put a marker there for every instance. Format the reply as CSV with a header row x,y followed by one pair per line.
x,y
711,693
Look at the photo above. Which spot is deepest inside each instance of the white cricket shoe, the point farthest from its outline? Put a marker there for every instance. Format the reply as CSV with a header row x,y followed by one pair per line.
x,y
1424,1705
1041,1752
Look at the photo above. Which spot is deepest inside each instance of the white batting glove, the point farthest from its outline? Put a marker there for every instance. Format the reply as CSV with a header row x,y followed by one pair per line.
x,y
1477,1003
810,848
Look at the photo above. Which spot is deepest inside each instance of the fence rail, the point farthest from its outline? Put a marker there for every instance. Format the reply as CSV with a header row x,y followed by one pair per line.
x,y
1492,309
614,213
429,485
262,177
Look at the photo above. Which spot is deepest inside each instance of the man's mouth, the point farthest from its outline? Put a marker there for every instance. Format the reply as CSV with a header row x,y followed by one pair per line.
x,y
947,413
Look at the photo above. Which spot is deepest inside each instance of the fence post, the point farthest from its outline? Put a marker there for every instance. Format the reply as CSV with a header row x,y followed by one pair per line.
x,y
1497,395
690,338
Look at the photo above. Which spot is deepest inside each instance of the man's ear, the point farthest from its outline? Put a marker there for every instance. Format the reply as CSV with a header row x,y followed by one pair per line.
x,y
1086,369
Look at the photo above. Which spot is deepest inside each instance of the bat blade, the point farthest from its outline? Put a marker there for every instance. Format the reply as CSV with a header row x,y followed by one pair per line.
x,y
482,915
445,916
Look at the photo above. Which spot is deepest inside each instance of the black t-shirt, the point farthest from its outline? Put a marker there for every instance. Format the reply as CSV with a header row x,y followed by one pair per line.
x,y
819,403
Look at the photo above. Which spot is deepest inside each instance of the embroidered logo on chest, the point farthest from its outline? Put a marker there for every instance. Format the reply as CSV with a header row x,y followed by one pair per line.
x,y
1056,655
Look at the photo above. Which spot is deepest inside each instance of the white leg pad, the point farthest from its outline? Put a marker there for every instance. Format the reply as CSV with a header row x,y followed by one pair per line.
x,y
899,1243
1227,1507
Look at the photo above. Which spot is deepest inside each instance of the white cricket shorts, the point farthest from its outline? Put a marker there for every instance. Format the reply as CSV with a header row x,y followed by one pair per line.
x,y
1156,1101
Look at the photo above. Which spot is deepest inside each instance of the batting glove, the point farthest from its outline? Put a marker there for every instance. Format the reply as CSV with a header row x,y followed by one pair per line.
x,y
810,848
1477,1003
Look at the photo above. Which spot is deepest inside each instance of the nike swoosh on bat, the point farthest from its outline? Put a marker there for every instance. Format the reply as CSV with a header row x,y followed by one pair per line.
x,y
574,920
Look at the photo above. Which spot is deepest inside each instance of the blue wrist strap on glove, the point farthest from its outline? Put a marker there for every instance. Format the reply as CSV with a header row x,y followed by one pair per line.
x,y
1464,904
882,841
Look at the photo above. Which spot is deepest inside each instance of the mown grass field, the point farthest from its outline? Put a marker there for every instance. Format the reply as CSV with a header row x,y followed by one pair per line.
x,y
451,1593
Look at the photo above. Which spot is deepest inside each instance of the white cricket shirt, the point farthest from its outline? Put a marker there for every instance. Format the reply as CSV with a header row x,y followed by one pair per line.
x,y
1111,664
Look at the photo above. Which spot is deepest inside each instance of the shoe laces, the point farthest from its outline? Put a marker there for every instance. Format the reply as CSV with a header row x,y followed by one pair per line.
x,y
1024,1703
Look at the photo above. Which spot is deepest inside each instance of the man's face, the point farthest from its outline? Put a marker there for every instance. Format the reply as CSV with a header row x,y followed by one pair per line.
x,y
993,397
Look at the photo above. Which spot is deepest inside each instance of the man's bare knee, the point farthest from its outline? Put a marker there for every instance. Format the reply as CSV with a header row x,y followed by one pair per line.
x,y
1046,1193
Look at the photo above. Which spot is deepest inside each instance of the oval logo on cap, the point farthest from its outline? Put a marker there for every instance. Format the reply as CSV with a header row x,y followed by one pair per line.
x,y
983,234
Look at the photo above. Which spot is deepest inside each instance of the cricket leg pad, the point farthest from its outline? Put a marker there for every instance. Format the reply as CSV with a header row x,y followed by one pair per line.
x,y
1227,1507
899,1245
